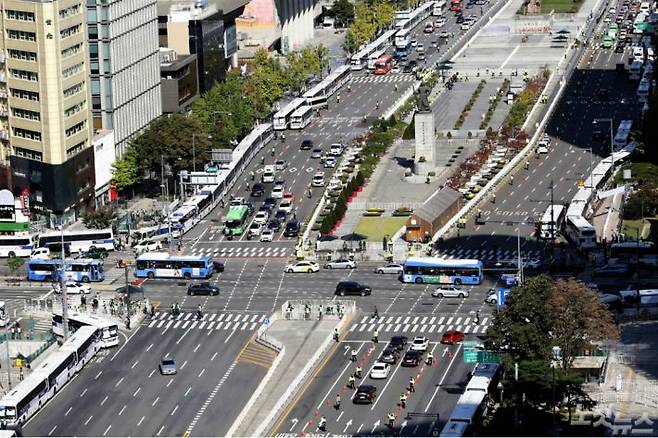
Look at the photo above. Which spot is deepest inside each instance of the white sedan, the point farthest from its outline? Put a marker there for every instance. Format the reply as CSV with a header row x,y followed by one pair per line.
x,y
450,292
391,268
267,235
420,343
73,287
277,192
303,266
341,264
261,218
286,205
380,370
148,245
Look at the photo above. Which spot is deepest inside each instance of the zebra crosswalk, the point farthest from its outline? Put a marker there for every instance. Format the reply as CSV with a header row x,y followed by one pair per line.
x,y
425,325
486,254
255,251
209,321
367,79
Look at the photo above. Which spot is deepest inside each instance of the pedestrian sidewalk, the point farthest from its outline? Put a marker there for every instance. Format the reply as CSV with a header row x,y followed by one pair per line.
x,y
303,344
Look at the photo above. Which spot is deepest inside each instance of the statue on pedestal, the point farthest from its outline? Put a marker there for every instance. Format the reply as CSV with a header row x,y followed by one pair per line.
x,y
423,98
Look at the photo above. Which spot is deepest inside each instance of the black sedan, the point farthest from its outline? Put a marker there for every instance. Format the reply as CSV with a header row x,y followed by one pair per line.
x,y
352,288
411,358
257,190
365,394
274,225
202,289
217,266
398,342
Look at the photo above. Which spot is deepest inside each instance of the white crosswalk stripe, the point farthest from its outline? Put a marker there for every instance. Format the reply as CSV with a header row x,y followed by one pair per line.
x,y
210,321
365,79
417,329
244,251
486,254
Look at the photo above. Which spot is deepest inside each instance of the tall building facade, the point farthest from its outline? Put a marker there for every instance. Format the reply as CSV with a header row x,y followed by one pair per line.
x,y
124,66
44,102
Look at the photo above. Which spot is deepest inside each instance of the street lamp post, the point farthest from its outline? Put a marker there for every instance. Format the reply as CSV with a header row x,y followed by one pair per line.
x,y
65,314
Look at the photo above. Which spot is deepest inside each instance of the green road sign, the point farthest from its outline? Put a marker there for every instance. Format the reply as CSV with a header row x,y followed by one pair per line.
x,y
470,344
470,355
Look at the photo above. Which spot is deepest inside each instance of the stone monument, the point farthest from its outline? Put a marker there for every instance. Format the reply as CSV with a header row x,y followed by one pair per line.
x,y
424,128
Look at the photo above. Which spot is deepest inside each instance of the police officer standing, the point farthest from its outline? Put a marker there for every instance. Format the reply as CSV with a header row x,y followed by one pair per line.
x,y
336,335
375,337
323,424
352,382
337,402
477,317
411,384
358,371
391,419
353,355
430,359
403,400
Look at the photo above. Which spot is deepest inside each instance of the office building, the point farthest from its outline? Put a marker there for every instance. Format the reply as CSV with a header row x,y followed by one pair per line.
x,y
178,78
44,98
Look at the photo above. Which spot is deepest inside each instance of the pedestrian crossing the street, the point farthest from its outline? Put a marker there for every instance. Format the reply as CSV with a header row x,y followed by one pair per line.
x,y
254,251
421,325
381,79
209,321
486,254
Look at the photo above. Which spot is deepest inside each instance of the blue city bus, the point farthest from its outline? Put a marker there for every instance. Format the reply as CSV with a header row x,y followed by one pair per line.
x,y
84,270
442,271
163,265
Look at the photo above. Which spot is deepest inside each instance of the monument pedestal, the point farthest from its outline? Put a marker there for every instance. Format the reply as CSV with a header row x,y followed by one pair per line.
x,y
425,156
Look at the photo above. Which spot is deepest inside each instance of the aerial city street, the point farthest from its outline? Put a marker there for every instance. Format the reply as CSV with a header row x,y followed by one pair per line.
x,y
347,217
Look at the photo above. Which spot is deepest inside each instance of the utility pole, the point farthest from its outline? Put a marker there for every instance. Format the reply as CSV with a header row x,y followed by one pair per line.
x,y
125,272
8,357
552,216
65,310
518,249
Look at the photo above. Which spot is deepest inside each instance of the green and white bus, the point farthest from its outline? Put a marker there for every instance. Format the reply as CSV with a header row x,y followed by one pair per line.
x,y
235,220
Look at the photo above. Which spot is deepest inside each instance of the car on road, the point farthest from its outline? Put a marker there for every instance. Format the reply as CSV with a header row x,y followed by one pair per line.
x,y
330,162
280,215
450,292
364,394
411,358
341,263
440,22
261,217
167,365
611,270
492,297
390,268
444,34
389,355
74,288
148,245
277,192
255,229
316,153
380,370
267,207
420,48
422,56
304,266
274,225
94,253
398,342
336,149
280,165
414,42
204,288
465,25
267,235
420,343
434,44
541,149
292,228
452,337
352,288
286,205
318,180
217,266
257,190
306,145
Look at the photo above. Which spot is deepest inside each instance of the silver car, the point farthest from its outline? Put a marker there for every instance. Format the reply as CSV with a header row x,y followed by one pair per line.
x,y
450,292
341,264
391,268
167,365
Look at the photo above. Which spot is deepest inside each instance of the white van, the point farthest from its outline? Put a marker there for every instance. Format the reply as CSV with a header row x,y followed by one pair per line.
x,y
269,173
40,253
638,53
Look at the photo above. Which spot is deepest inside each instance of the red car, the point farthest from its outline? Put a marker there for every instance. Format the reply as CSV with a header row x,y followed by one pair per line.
x,y
452,337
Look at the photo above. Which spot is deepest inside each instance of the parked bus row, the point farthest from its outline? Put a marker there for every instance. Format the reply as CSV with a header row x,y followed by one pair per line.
x,y
31,394
108,331
78,242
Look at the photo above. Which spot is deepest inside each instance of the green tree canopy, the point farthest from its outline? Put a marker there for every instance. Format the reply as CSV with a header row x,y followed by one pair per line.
x,y
342,11
126,170
99,218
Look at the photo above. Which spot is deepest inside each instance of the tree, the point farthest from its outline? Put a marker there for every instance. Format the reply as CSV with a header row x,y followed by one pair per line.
x,y
578,320
520,330
643,202
14,264
342,11
125,170
100,218
351,42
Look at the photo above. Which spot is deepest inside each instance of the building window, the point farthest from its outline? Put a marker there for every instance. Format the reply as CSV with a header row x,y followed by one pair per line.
x,y
22,55
24,74
20,35
20,15
72,70
72,91
75,108
69,31
76,128
77,48
26,114
27,134
26,153
75,149
67,12
24,94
